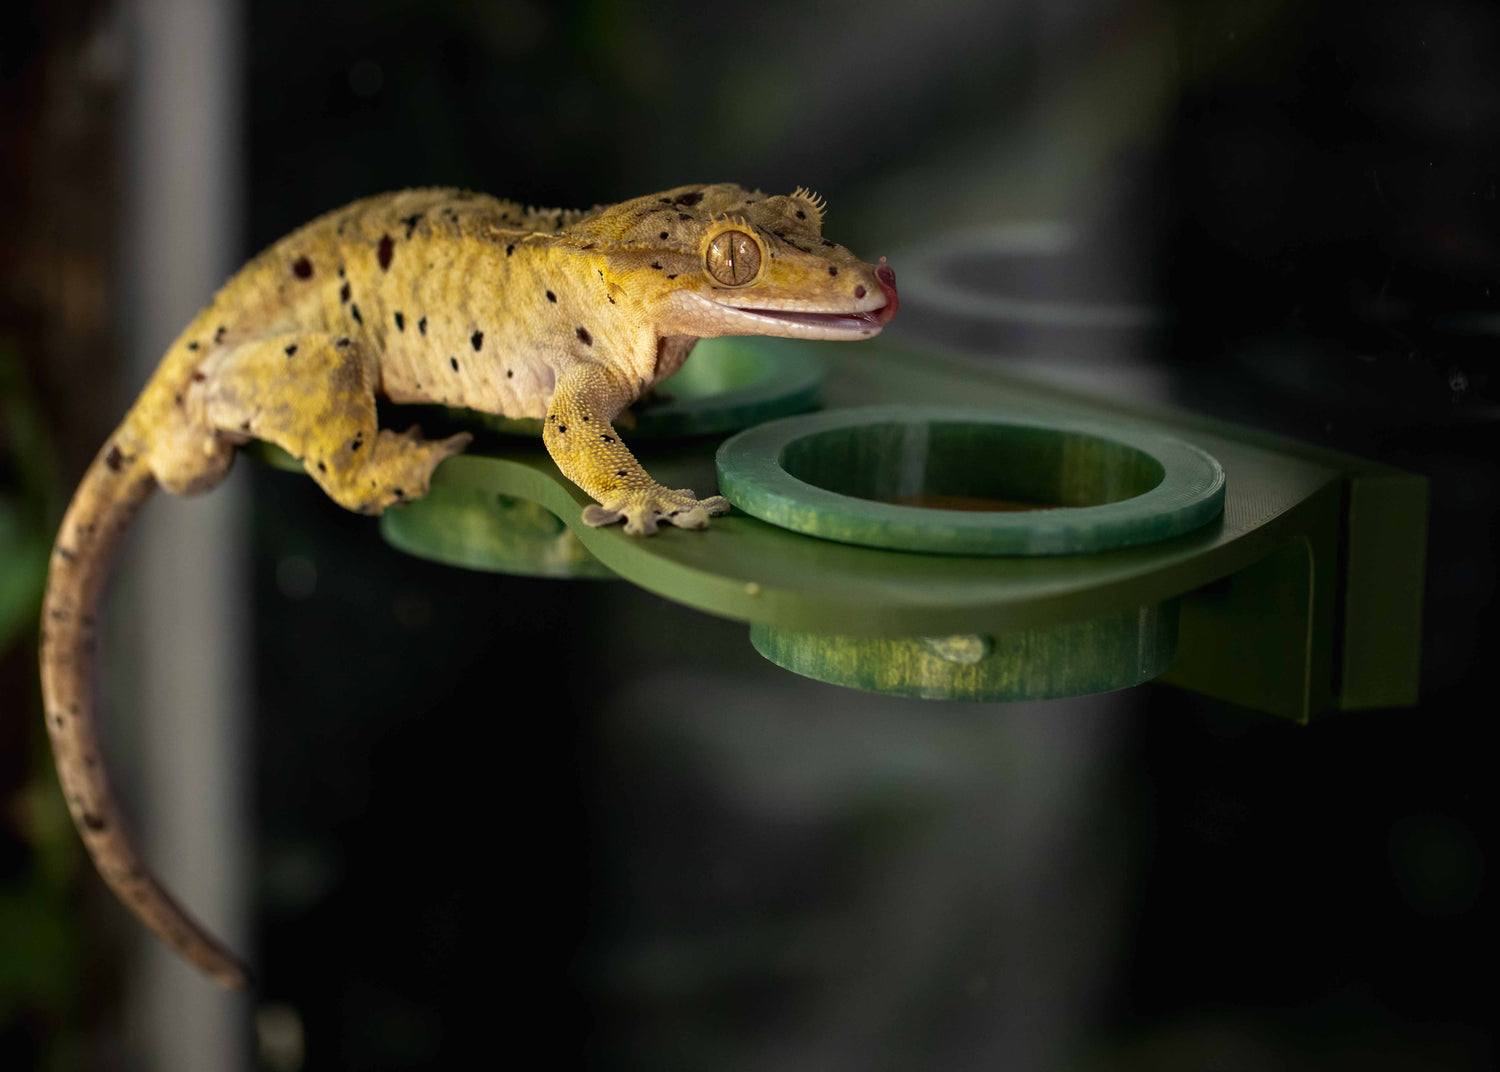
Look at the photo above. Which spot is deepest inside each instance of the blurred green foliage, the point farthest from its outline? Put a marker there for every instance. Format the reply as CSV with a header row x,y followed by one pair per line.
x,y
27,483
40,968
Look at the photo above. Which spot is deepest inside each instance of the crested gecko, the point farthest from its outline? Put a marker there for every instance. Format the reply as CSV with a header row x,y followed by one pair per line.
x,y
430,296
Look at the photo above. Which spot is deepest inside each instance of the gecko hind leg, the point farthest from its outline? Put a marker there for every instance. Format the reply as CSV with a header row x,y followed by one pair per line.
x,y
313,395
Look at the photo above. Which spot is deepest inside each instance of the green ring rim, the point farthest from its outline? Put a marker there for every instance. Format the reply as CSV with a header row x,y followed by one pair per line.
x,y
1189,495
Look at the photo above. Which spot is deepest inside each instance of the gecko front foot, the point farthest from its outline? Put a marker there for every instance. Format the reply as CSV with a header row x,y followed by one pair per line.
x,y
643,509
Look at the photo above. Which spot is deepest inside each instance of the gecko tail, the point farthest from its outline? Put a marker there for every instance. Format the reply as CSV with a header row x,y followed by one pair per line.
x,y
117,484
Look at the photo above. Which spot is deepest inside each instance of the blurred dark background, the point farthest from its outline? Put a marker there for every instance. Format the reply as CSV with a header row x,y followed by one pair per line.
x,y
491,813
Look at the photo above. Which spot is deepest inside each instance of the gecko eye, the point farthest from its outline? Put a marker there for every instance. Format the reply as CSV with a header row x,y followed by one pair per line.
x,y
733,258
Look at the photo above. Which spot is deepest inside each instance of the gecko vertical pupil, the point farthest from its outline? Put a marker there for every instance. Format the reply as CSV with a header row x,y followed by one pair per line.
x,y
733,258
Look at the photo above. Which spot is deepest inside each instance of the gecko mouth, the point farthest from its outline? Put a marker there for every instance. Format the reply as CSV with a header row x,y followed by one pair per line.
x,y
854,322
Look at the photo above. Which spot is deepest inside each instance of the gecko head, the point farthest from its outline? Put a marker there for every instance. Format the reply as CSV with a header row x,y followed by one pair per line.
x,y
722,260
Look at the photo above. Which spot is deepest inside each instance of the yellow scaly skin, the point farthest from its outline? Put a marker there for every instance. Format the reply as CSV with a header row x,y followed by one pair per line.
x,y
430,296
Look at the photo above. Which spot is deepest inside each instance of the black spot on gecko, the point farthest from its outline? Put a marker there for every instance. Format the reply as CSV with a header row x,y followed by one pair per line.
x,y
607,439
344,292
689,198
342,341
801,215
562,427
113,459
411,222
400,319
619,472
322,468
384,251
341,271
832,270
551,297
400,493
291,349
354,312
454,362
476,340
355,444
422,325
192,346
655,265
672,276
683,216
93,822
664,234
828,241
219,334
302,268
584,336
510,249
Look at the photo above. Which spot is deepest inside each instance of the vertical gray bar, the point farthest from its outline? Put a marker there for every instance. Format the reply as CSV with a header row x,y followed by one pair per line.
x,y
183,193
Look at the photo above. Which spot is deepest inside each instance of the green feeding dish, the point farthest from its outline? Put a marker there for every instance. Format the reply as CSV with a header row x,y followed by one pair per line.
x,y
1098,654
960,482
725,385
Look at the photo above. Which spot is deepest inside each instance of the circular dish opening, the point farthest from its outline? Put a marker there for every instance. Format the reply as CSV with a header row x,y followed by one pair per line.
x,y
945,481
978,467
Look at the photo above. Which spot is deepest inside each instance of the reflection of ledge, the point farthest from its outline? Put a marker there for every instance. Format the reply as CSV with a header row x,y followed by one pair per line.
x,y
984,276
1305,596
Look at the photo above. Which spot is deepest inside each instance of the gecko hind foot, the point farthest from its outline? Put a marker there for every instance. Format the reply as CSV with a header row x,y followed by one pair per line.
x,y
643,509
398,469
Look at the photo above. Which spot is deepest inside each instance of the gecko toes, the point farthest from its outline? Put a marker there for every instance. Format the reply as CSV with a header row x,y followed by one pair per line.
x,y
595,516
646,509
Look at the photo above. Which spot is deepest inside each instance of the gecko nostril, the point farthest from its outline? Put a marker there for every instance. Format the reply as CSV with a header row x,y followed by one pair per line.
x,y
859,292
